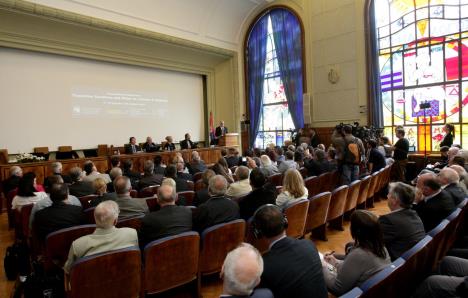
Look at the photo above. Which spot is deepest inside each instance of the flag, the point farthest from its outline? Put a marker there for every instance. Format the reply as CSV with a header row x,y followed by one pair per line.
x,y
211,128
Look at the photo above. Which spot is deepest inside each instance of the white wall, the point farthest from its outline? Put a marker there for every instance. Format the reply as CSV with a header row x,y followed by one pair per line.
x,y
37,103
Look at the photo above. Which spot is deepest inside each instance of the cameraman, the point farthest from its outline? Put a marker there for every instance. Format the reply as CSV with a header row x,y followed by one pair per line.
x,y
342,136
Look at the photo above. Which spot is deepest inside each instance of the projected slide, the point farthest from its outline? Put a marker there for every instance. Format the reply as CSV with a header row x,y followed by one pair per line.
x,y
92,102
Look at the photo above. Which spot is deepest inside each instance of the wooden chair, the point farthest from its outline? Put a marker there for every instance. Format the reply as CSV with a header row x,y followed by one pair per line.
x,y
335,180
312,185
379,184
153,204
438,244
197,176
112,274
276,179
317,215
383,283
9,199
279,189
199,185
296,213
304,172
216,242
371,192
363,189
336,210
134,193
86,201
21,219
148,191
190,185
325,181
57,244
351,199
260,244
89,215
187,195
132,222
171,262
453,228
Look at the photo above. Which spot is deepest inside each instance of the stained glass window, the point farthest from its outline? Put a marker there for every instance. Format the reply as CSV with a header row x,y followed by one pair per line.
x,y
423,58
276,121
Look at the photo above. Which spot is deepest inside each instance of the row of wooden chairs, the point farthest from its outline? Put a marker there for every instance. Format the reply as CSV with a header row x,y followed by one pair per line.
x,y
408,271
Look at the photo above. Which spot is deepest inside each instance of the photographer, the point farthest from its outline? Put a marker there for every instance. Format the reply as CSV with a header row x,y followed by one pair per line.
x,y
350,151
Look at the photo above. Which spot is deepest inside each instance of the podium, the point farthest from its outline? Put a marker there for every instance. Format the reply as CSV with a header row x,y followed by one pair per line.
x,y
229,140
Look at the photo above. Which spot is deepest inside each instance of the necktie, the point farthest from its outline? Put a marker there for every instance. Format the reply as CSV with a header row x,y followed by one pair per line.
x,y
133,149
188,144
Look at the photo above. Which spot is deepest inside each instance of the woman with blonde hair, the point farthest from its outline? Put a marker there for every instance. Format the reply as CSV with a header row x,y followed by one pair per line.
x,y
293,189
100,189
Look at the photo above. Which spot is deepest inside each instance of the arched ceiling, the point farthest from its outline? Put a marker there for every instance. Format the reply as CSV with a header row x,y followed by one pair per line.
x,y
213,22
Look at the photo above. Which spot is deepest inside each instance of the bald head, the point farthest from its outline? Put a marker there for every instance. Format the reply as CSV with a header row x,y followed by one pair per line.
x,y
122,185
195,156
423,178
217,185
106,214
241,270
448,176
452,152
166,195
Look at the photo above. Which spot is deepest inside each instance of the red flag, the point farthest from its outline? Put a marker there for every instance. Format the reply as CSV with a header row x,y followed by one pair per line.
x,y
211,123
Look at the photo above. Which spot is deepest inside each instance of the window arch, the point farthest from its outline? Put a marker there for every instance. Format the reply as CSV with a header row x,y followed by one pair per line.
x,y
274,76
421,51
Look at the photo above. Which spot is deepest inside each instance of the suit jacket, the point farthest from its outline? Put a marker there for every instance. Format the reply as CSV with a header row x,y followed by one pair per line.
x,y
10,184
258,197
58,216
201,197
130,207
401,230
150,180
184,144
184,176
181,184
435,209
108,196
195,167
219,131
169,220
456,192
232,161
150,147
215,211
81,189
169,147
102,240
315,168
257,293
128,148
66,179
159,170
292,268
133,176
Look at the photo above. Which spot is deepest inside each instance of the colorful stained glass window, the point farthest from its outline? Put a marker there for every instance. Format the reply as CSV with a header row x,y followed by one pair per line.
x,y
276,121
423,58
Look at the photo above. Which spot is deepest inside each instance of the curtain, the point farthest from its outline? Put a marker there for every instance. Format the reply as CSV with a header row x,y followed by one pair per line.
x,y
375,98
256,55
288,43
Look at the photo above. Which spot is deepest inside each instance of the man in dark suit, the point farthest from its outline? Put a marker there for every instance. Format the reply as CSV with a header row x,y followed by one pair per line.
x,y
232,158
241,273
292,268
196,164
202,195
159,168
181,184
180,164
132,146
56,171
433,204
58,216
220,131
127,171
12,182
449,179
187,143
149,178
262,193
218,209
149,146
402,228
79,188
169,220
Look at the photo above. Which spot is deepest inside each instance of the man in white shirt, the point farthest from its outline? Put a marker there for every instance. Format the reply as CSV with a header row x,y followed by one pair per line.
x,y
242,186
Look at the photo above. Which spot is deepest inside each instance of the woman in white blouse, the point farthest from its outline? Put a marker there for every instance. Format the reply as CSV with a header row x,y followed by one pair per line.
x,y
27,193
293,189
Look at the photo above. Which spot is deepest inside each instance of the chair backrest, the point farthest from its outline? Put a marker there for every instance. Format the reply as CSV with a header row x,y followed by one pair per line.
x,y
199,185
57,244
276,179
86,201
89,215
132,222
437,245
197,176
318,210
188,196
279,189
337,202
217,241
9,198
148,191
418,264
453,228
363,190
111,274
190,185
170,262
373,184
353,193
134,193
325,182
152,204
383,283
296,213
260,244
335,180
21,220
312,185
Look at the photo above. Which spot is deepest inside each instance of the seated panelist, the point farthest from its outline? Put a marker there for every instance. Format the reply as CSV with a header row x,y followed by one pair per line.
x,y
169,145
132,146
187,143
149,146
